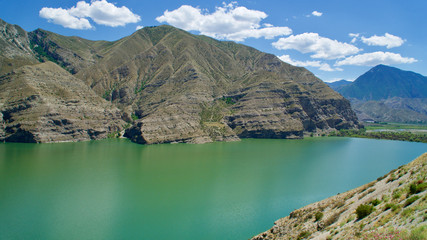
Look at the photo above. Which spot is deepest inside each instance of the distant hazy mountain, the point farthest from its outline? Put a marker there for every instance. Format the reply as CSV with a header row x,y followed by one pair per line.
x,y
338,84
388,94
384,82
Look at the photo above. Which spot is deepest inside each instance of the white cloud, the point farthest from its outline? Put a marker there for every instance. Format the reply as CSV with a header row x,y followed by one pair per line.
x,y
321,65
388,40
317,14
139,27
354,37
63,17
100,11
375,58
322,47
229,22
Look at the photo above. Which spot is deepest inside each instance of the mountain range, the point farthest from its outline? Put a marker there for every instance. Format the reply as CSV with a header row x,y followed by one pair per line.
x,y
387,94
159,85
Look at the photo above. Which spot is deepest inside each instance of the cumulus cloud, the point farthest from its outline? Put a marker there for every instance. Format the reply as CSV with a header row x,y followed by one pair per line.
x,y
229,22
388,40
139,27
322,47
63,17
321,65
317,14
375,58
100,11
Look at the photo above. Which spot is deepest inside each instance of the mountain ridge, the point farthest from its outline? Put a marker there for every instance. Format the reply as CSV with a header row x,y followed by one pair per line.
x,y
173,86
388,94
382,82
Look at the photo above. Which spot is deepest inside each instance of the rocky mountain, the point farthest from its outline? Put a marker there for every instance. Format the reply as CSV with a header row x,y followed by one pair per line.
x,y
338,84
384,82
44,103
172,86
392,207
388,94
15,50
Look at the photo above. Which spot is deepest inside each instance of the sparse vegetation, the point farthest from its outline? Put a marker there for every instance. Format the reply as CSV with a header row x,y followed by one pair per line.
x,y
375,202
362,133
391,206
411,200
304,235
417,187
332,219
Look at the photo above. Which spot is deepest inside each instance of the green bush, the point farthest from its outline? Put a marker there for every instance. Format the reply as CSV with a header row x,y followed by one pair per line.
x,y
364,210
415,188
375,202
318,216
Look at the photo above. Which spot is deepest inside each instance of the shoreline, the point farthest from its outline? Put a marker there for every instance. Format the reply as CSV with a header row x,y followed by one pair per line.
x,y
397,203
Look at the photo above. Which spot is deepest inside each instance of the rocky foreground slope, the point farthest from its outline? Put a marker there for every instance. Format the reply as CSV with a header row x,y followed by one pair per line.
x,y
160,84
392,207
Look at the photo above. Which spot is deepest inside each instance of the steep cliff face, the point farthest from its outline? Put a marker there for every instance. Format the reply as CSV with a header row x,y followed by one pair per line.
x,y
172,86
393,207
171,80
15,50
44,103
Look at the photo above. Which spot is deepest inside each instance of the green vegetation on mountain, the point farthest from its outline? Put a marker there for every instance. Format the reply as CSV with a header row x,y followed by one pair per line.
x,y
390,135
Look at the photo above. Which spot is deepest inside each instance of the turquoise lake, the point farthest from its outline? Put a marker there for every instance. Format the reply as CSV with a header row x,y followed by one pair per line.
x,y
115,189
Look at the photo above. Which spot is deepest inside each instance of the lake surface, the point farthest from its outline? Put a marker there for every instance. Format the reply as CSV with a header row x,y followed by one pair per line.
x,y
115,189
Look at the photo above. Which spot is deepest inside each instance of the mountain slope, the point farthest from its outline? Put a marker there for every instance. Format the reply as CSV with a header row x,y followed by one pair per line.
x,y
393,204
172,86
384,82
44,103
15,50
388,94
164,75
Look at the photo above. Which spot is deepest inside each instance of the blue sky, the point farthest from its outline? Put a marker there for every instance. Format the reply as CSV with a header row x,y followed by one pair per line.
x,y
335,39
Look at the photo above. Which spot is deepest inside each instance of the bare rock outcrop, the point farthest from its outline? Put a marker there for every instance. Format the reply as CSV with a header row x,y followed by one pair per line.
x,y
44,103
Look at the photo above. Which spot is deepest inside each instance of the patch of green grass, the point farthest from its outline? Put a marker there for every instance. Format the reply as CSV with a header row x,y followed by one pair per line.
x,y
375,202
134,117
397,194
391,206
419,233
417,187
407,212
411,200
